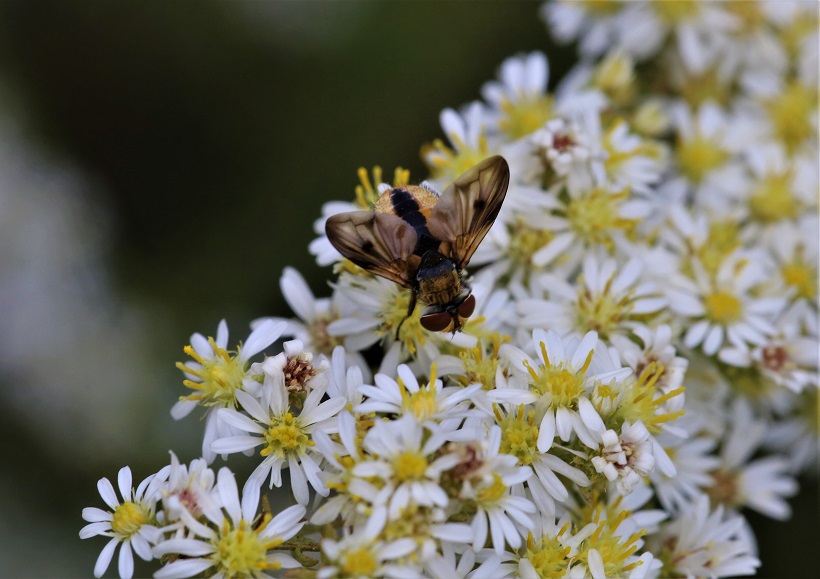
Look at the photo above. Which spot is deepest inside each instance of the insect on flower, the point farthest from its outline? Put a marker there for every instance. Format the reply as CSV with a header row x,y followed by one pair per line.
x,y
423,240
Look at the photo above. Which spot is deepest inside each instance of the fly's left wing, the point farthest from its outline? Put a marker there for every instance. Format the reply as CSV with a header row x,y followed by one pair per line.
x,y
380,243
467,209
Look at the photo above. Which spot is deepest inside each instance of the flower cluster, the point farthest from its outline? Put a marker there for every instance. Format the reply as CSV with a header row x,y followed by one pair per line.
x,y
640,367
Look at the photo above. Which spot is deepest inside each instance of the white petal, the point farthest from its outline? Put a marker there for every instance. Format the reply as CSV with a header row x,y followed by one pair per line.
x,y
104,560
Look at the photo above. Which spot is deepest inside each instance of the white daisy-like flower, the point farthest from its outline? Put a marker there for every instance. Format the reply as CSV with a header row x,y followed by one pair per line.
x,y
693,460
519,101
189,489
216,375
430,403
762,484
797,438
625,458
467,133
131,524
706,152
655,348
607,298
605,548
457,562
363,554
572,151
519,436
286,437
498,512
724,307
706,544
294,369
559,377
230,542
407,463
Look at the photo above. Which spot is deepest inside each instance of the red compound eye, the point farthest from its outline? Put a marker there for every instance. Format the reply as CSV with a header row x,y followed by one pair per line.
x,y
438,322
467,307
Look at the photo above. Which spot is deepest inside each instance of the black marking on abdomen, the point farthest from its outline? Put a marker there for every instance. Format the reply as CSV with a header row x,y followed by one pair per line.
x,y
406,207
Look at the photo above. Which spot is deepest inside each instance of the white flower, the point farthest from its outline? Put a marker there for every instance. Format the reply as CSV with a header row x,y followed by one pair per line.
x,y
705,544
216,375
294,370
430,403
693,460
362,555
724,307
131,524
607,298
286,438
189,489
467,132
497,509
627,458
559,377
406,463
232,545
762,484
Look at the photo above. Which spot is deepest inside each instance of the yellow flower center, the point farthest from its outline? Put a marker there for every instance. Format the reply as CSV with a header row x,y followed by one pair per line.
x,y
724,488
709,85
676,11
723,308
479,368
749,15
801,276
549,557
525,241
524,116
359,563
698,156
519,435
394,315
240,552
790,114
613,548
421,404
448,163
128,519
615,76
644,400
492,492
219,376
409,465
772,200
285,436
556,384
594,217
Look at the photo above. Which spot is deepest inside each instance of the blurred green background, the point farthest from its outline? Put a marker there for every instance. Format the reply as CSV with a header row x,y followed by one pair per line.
x,y
162,163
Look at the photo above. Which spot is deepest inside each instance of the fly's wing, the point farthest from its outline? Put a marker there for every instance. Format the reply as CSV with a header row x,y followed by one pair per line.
x,y
380,243
467,209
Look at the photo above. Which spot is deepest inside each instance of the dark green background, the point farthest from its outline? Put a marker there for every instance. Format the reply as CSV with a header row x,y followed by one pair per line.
x,y
215,131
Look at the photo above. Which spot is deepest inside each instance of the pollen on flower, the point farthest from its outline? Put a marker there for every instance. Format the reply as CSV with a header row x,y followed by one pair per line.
x,y
772,200
525,240
672,13
723,307
594,216
447,164
525,115
519,435
394,315
615,76
480,368
128,518
421,404
492,492
548,556
285,436
724,489
642,403
800,275
613,548
409,466
699,88
790,113
699,155
562,386
240,552
359,563
219,376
